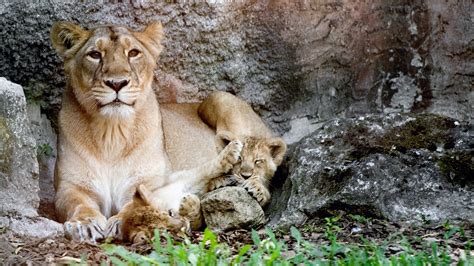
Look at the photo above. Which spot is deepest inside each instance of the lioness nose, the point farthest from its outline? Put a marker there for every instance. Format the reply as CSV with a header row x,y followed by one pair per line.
x,y
116,85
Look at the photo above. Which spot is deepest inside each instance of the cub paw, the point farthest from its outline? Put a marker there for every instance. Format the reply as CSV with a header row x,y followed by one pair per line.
x,y
224,181
89,230
190,210
231,155
257,190
190,206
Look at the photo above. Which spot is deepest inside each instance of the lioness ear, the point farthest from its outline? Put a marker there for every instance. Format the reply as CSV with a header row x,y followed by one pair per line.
x,y
278,149
151,37
223,138
66,35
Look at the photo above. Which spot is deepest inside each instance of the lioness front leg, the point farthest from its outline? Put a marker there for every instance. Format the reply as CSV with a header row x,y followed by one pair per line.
x,y
80,210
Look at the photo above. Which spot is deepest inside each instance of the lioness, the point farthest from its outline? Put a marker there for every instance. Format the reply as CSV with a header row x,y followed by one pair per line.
x,y
111,137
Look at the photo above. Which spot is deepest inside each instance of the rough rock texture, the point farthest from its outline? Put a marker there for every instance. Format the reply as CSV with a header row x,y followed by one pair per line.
x,y
231,208
18,165
297,62
37,227
404,168
46,140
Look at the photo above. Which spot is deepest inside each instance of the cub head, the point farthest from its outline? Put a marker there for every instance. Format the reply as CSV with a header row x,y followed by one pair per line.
x,y
260,156
143,215
110,68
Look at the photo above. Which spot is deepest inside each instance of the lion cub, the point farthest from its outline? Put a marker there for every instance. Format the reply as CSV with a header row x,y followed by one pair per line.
x,y
233,119
260,157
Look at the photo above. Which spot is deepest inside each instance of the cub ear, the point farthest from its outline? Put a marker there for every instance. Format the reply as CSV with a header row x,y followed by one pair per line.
x,y
151,37
66,35
277,149
223,138
142,195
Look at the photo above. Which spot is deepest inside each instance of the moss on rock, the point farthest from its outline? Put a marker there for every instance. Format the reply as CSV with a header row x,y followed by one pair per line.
x,y
458,167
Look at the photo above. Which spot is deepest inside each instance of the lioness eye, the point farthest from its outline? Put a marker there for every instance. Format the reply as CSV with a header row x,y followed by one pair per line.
x,y
258,161
95,54
133,53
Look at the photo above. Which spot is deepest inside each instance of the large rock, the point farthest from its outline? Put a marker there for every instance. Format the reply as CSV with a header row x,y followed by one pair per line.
x,y
36,227
46,140
18,164
297,62
231,208
404,168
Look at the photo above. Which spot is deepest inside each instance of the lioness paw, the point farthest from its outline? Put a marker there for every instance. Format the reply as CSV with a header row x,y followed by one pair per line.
x,y
231,155
257,190
113,228
87,230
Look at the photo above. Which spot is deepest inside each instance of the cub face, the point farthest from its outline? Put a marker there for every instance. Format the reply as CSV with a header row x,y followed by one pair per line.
x,y
110,67
260,156
143,215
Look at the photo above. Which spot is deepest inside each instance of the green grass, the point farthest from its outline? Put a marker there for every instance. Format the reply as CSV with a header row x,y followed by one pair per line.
x,y
270,250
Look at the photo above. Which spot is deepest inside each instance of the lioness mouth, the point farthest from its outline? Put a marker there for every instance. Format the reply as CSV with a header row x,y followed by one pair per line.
x,y
116,102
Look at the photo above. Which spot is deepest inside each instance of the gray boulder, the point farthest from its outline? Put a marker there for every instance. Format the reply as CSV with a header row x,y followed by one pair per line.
x,y
18,165
399,167
231,208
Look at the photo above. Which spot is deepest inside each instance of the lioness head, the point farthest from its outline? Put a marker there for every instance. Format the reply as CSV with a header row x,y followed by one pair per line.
x,y
260,156
110,68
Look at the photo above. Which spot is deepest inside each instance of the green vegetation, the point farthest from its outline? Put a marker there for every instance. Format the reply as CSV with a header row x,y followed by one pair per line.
x,y
294,250
44,150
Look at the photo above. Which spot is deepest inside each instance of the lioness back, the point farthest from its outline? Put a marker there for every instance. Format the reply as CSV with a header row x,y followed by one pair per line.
x,y
189,142
226,112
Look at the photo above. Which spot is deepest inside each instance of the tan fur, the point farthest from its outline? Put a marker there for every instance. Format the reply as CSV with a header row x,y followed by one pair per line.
x,y
107,149
141,218
112,141
234,119
260,158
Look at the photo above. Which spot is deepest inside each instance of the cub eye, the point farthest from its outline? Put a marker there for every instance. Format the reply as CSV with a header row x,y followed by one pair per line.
x,y
257,162
95,54
133,53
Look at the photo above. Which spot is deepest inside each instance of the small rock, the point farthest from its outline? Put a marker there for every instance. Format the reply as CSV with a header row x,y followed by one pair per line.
x,y
231,207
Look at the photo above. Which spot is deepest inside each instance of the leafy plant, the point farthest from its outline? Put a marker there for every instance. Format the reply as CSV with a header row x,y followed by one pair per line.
x,y
267,249
44,150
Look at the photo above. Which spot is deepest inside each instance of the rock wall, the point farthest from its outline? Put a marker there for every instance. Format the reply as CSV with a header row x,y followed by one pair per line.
x,y
297,62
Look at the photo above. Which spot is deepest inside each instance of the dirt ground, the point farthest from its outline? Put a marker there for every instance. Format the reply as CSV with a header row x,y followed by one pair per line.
x,y
16,250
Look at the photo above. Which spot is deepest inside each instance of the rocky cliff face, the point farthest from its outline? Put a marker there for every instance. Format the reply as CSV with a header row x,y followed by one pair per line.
x,y
297,62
